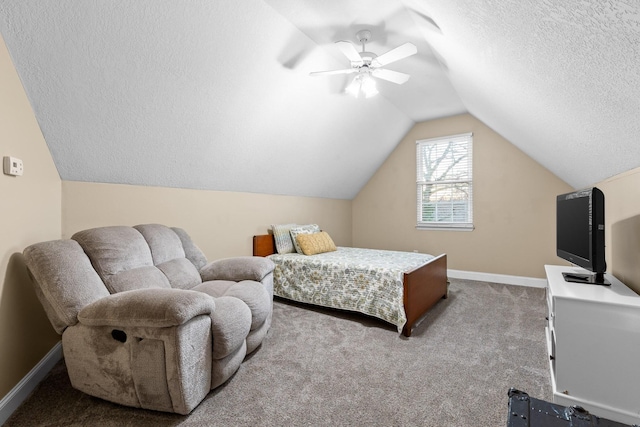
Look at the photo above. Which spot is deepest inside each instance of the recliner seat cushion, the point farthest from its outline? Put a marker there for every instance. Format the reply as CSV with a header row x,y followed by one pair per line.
x,y
180,273
238,268
253,294
137,278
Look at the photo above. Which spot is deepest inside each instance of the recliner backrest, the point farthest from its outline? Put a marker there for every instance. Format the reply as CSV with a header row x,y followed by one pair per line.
x,y
122,258
192,252
169,255
144,256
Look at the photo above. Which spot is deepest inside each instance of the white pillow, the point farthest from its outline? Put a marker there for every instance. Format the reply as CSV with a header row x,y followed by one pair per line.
x,y
302,229
284,243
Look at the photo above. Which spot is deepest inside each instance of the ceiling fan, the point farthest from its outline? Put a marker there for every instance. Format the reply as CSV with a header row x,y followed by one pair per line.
x,y
368,65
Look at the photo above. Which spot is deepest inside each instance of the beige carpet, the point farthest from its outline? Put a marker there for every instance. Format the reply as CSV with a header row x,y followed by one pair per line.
x,y
327,368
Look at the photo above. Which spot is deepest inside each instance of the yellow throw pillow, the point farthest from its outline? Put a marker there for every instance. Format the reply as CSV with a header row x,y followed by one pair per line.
x,y
315,243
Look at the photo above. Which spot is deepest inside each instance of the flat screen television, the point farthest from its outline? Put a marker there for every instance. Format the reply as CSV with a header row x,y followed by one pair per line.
x,y
580,234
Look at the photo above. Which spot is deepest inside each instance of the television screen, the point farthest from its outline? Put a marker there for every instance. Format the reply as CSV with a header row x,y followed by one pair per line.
x,y
580,234
573,219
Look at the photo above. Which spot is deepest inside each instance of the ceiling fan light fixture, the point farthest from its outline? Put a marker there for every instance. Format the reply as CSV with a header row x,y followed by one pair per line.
x,y
368,87
362,84
369,65
354,86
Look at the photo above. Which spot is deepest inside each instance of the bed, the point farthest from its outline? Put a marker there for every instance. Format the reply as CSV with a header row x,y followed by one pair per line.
x,y
397,287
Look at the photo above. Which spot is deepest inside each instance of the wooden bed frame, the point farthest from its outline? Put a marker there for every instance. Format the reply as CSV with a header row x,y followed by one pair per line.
x,y
424,286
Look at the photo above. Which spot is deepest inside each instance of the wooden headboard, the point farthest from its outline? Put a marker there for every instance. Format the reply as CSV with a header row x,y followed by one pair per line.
x,y
264,245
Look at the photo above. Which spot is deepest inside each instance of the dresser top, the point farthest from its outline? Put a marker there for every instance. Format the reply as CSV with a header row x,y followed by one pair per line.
x,y
617,293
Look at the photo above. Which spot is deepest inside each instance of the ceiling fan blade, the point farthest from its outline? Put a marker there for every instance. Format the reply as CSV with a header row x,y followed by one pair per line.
x,y
350,52
390,75
332,72
396,54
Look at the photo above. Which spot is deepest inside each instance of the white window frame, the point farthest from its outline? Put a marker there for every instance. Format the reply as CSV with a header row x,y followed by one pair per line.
x,y
467,224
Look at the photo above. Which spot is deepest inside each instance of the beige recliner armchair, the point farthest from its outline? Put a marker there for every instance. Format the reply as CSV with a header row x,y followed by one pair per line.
x,y
145,320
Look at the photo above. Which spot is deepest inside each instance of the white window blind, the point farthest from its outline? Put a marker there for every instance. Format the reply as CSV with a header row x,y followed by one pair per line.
x,y
444,182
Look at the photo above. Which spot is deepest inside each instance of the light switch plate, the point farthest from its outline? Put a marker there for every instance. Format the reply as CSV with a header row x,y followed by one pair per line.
x,y
13,166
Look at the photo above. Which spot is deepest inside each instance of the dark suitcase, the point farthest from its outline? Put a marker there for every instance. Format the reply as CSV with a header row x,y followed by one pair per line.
x,y
525,411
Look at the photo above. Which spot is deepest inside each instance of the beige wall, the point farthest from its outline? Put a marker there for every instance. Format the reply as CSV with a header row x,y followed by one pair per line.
x,y
514,205
622,227
221,223
30,213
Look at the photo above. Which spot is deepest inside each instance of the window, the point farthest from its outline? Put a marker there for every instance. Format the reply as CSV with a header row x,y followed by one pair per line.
x,y
444,182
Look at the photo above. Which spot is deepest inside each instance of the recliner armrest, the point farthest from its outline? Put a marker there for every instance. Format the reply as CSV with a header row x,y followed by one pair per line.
x,y
150,307
237,269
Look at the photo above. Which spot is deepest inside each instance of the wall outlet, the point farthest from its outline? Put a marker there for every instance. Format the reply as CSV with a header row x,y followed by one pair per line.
x,y
13,166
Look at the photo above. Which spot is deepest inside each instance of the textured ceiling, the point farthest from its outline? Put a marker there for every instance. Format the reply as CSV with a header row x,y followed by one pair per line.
x,y
558,78
216,94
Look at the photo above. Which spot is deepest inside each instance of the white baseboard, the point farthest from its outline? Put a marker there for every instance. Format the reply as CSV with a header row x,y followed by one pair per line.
x,y
21,391
498,278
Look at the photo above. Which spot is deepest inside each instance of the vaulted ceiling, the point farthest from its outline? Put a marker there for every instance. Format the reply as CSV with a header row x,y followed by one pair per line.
x,y
217,94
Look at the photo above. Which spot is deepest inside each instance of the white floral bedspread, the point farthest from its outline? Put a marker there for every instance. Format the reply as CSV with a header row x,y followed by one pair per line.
x,y
368,281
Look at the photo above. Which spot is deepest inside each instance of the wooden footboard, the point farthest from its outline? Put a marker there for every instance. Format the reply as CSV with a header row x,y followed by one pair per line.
x,y
423,287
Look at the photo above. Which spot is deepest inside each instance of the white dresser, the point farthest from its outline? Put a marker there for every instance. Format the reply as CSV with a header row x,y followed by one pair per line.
x,y
593,339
